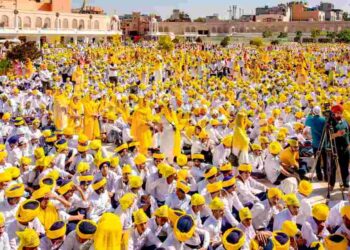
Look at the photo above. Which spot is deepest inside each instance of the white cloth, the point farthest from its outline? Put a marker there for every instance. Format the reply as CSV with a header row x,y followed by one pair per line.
x,y
4,242
146,239
249,234
305,209
247,190
100,203
282,217
309,231
262,213
213,226
174,202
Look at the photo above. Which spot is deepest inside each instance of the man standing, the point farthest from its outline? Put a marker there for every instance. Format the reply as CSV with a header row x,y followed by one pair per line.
x,y
317,123
342,141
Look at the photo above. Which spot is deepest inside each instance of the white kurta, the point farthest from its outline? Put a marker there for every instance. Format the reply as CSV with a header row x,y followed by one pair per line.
x,y
166,140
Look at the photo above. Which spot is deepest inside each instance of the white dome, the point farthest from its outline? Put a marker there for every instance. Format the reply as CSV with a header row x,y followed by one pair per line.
x,y
115,17
153,20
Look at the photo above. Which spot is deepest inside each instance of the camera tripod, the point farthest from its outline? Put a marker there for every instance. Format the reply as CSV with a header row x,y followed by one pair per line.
x,y
332,156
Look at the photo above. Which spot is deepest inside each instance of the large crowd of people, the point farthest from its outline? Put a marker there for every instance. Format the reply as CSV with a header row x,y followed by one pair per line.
x,y
128,146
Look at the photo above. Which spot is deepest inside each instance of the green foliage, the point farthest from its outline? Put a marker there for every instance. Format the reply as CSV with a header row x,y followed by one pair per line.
x,y
224,42
331,34
5,65
283,35
257,42
344,36
315,33
23,51
299,33
267,34
165,43
179,39
200,20
275,42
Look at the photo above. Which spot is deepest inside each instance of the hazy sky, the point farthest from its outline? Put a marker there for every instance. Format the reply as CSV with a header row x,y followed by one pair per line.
x,y
195,8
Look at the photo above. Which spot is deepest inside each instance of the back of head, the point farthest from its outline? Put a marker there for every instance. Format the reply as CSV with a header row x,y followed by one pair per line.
x,y
109,233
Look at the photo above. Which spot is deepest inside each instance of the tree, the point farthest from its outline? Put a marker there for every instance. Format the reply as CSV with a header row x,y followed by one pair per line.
x,y
283,35
346,16
224,42
315,33
331,34
344,36
267,34
23,51
178,39
299,33
165,43
257,42
200,20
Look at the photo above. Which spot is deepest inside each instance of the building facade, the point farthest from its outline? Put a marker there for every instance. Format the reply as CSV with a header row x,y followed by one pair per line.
x,y
193,29
49,20
300,12
280,13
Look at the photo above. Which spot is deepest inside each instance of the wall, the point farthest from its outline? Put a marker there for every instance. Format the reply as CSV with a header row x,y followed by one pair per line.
x,y
180,28
44,5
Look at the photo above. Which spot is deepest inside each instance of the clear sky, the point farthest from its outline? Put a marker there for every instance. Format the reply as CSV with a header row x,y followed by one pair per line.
x,y
195,8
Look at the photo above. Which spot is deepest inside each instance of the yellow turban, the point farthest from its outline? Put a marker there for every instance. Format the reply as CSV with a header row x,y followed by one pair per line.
x,y
216,204
121,147
2,219
168,171
293,142
226,167
272,192
135,181
162,211
197,157
126,169
39,153
114,162
256,147
228,183
41,192
290,228
233,239
83,166
245,168
197,200
27,211
5,177
320,212
181,160
244,214
345,211
336,241
65,188
305,187
184,228
28,238
291,200
227,141
183,186
280,240
25,160
108,234
99,183
158,156
95,144
140,217
140,159
56,230
214,187
211,173
127,200
275,148
86,229
15,190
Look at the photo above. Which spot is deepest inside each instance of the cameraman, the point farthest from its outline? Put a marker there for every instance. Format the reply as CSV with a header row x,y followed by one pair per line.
x,y
342,141
316,122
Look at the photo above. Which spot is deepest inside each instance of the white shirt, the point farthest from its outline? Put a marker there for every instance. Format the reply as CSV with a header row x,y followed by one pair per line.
x,y
100,203
282,217
305,209
335,218
9,211
174,202
4,242
272,167
213,226
147,238
246,190
162,189
156,229
309,231
71,242
262,213
171,243
249,233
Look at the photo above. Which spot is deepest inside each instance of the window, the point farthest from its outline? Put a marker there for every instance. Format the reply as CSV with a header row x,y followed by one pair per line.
x,y
27,22
47,23
4,22
65,23
96,25
74,24
38,22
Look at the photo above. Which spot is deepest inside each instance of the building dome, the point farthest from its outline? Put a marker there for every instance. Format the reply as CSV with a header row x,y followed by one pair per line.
x,y
153,20
115,17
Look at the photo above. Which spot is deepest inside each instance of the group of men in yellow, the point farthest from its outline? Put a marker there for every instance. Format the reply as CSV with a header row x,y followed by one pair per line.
x,y
132,147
